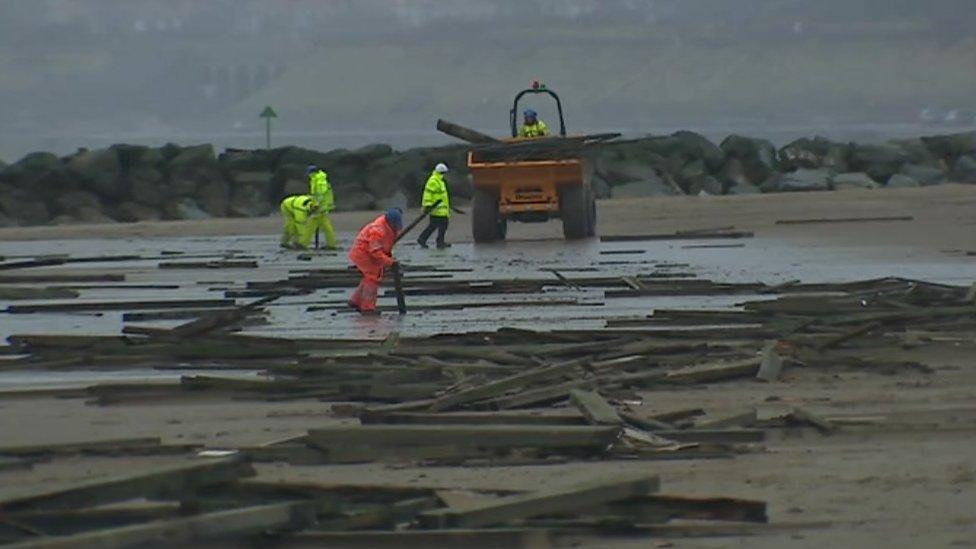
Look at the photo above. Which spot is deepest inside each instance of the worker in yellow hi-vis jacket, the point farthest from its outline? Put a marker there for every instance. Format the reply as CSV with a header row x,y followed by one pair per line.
x,y
296,212
321,193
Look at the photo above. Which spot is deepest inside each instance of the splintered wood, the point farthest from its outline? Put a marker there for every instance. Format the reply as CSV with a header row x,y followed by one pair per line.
x,y
472,398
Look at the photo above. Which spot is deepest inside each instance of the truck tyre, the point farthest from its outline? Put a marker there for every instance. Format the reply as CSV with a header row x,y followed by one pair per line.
x,y
574,209
484,216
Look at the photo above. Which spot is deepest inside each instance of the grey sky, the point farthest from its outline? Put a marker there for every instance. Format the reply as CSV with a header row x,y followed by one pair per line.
x,y
347,72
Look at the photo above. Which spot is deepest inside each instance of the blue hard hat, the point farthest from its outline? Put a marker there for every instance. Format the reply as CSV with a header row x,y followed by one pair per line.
x,y
311,169
394,216
529,113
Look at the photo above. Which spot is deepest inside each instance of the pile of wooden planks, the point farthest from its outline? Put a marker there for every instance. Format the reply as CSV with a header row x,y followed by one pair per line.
x,y
207,500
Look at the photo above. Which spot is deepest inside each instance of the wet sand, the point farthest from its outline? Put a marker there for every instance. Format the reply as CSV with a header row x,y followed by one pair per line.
x,y
904,480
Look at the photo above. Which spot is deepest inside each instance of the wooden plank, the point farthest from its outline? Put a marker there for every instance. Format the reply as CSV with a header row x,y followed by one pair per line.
x,y
167,480
11,293
469,418
714,371
726,436
463,133
48,278
487,538
849,335
771,364
488,436
174,532
68,448
594,407
844,220
504,385
118,305
381,516
662,508
541,395
544,502
678,236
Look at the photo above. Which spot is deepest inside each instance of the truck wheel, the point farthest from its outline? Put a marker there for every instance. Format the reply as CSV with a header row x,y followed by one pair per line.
x,y
574,209
484,216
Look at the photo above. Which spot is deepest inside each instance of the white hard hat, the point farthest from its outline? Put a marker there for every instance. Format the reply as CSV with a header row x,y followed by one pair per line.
x,y
440,168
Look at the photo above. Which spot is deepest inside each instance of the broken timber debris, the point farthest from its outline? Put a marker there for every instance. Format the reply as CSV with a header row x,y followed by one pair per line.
x,y
546,502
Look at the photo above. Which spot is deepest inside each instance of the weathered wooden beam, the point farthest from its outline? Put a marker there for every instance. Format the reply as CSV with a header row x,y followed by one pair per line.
x,y
594,407
770,365
234,523
469,418
68,448
171,480
486,538
485,436
728,436
705,373
11,293
118,305
844,220
544,502
677,236
661,508
463,133
381,516
504,385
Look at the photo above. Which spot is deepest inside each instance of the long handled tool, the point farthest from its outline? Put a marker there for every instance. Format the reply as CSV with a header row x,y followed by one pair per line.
x,y
417,221
397,273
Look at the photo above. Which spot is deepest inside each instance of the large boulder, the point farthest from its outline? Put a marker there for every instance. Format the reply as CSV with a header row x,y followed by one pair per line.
x,y
917,151
853,180
952,146
900,181
191,167
24,170
355,199
707,185
691,175
131,212
251,194
813,154
648,187
302,158
241,160
99,171
400,172
146,186
734,173
924,175
364,156
23,207
7,221
743,188
89,214
72,201
687,147
757,157
798,181
183,208
130,155
880,161
214,197
964,170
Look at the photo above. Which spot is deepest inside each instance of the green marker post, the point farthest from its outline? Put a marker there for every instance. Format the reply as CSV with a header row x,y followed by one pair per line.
x,y
267,114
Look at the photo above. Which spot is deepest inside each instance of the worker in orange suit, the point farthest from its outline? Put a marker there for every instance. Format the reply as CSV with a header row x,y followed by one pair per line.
x,y
372,254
